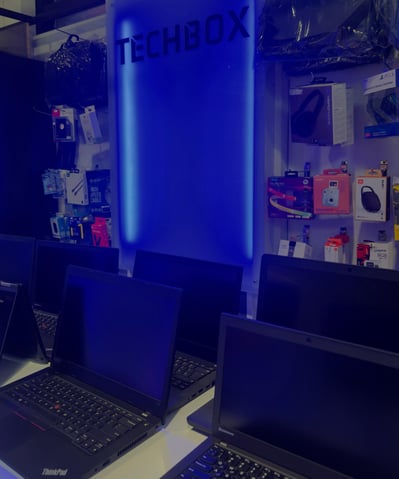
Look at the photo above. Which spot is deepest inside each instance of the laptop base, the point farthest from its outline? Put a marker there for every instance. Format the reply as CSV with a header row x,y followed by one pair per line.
x,y
201,419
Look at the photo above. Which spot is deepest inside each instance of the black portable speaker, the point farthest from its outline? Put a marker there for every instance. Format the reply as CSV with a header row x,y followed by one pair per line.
x,y
370,200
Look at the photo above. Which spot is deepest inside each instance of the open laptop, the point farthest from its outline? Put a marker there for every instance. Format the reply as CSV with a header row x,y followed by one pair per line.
x,y
297,406
347,302
19,335
17,255
352,303
209,288
110,327
51,261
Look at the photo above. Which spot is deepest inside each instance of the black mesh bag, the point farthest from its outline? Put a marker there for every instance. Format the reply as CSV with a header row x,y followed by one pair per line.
x,y
75,75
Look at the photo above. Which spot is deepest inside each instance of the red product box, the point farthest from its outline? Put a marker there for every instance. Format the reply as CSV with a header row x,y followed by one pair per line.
x,y
332,192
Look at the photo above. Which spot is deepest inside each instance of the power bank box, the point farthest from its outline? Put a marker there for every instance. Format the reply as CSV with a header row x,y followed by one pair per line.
x,y
319,114
332,192
372,198
290,197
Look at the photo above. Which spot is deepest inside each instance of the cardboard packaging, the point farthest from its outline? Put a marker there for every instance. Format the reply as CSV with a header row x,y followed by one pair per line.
x,y
334,250
290,197
382,93
375,254
319,114
76,188
372,198
296,249
332,192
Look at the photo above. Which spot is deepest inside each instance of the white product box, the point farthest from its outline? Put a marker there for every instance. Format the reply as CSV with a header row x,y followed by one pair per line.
x,y
296,249
372,198
76,188
381,255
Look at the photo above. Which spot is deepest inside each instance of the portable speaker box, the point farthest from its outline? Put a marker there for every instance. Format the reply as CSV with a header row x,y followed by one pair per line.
x,y
319,114
372,198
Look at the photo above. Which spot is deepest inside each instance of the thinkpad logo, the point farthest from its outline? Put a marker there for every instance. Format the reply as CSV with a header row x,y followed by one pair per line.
x,y
47,472
225,431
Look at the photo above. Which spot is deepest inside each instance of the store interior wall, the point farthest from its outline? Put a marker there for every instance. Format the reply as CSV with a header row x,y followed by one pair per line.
x,y
273,150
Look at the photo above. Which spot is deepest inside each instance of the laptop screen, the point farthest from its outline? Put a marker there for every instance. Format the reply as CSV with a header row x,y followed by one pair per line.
x,y
300,399
118,333
8,295
17,260
209,288
352,303
52,259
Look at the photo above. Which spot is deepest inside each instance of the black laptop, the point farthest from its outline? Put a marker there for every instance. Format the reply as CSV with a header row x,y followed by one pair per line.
x,y
96,401
209,288
19,334
51,261
289,404
352,303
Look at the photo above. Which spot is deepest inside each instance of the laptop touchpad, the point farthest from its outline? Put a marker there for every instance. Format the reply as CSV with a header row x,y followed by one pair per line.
x,y
20,430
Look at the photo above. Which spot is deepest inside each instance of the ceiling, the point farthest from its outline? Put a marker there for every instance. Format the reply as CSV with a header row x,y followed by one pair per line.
x,y
41,13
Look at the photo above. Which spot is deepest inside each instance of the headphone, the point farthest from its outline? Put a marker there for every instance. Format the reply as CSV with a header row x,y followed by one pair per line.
x,y
303,121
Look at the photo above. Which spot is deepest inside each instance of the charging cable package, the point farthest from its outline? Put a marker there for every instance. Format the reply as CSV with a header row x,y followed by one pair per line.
x,y
319,114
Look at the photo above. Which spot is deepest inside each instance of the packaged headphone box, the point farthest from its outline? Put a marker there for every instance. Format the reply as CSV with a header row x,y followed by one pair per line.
x,y
372,198
332,192
319,114
290,197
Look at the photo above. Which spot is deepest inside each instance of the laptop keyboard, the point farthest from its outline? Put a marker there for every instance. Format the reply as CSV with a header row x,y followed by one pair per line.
x,y
186,371
90,421
46,322
220,462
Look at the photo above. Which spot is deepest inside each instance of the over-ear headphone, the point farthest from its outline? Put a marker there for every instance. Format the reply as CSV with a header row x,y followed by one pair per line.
x,y
303,121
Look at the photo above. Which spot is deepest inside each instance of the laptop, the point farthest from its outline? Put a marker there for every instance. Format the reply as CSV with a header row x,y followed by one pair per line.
x,y
352,303
19,335
209,288
17,255
109,327
348,302
296,405
51,261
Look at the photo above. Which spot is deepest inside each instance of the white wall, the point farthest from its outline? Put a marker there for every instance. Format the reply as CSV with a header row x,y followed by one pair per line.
x,y
363,154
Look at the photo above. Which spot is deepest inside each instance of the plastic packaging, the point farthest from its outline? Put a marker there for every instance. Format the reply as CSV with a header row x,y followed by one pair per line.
x,y
320,35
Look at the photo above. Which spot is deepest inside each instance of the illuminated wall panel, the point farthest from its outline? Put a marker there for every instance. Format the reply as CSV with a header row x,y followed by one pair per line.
x,y
182,82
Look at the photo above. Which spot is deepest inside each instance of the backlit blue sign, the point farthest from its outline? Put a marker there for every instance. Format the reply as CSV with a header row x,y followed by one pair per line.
x,y
182,77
